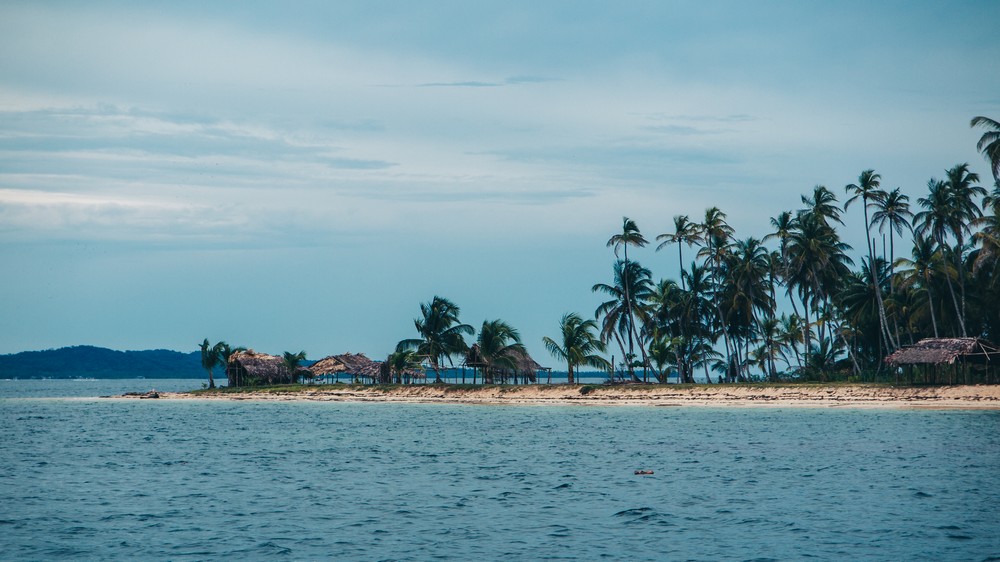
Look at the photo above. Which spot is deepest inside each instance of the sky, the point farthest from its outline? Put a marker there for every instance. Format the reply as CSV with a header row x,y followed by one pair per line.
x,y
302,175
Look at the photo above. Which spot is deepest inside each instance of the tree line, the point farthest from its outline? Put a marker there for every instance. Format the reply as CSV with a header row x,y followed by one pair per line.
x,y
790,305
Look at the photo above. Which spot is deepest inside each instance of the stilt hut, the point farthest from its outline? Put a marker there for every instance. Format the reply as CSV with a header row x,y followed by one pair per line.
x,y
249,368
358,366
965,360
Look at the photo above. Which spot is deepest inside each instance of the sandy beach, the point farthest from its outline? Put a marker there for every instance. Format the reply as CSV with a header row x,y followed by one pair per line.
x,y
976,397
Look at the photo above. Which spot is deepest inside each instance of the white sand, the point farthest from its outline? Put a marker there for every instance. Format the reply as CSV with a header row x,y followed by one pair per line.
x,y
805,395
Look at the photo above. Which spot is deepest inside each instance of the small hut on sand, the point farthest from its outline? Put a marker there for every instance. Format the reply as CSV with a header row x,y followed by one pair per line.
x,y
249,368
359,366
524,367
967,360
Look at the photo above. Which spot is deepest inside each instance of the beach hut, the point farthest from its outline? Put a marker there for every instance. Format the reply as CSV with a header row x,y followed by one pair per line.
x,y
357,365
956,356
524,367
249,368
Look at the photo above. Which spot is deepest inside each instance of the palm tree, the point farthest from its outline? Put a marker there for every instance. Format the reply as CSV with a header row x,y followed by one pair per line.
x,y
440,333
940,218
817,262
685,232
499,346
577,345
717,234
629,236
210,356
893,211
867,189
989,143
292,363
402,364
823,204
631,284
963,192
921,271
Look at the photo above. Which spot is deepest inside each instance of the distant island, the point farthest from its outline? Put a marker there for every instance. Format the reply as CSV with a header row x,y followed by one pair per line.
x,y
85,361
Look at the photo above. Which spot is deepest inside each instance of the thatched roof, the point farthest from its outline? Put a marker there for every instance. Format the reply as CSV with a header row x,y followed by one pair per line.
x,y
349,363
523,363
261,367
940,351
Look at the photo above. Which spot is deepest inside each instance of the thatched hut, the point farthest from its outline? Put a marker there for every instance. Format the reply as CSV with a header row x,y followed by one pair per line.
x,y
956,355
356,365
524,367
249,368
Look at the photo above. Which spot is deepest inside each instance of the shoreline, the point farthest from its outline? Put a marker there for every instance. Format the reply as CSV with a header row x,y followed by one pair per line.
x,y
962,397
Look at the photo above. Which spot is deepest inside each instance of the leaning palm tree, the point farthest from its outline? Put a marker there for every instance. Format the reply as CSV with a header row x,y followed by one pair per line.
x,y
292,363
989,143
210,356
441,334
577,345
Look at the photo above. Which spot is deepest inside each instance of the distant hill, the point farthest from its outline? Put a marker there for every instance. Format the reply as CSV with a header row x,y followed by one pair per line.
x,y
97,362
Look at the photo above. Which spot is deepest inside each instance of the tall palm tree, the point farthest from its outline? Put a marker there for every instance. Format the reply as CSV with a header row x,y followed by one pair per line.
x,y
292,363
867,189
499,346
210,356
629,236
577,345
441,334
817,262
717,235
989,143
893,211
964,192
921,271
940,218
631,284
685,232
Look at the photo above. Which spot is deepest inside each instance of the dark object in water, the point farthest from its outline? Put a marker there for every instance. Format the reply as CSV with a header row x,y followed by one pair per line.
x,y
150,394
643,472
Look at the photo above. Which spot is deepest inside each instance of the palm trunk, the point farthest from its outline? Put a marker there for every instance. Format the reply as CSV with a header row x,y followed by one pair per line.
x,y
954,300
930,305
211,381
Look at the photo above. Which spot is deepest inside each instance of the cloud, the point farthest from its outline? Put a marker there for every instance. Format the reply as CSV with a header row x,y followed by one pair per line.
x,y
464,84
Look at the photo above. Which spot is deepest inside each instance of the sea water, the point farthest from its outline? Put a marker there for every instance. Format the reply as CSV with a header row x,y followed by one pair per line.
x,y
91,478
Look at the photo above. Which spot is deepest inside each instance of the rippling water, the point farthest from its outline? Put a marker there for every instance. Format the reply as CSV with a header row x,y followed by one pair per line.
x,y
93,479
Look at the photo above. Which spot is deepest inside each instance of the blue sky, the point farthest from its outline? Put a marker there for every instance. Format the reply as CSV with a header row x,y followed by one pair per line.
x,y
292,176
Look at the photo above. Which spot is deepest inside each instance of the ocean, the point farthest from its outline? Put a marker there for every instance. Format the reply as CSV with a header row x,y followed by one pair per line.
x,y
86,478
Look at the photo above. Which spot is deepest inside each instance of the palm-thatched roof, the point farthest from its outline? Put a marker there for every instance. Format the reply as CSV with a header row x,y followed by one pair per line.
x,y
523,363
349,363
945,351
250,367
